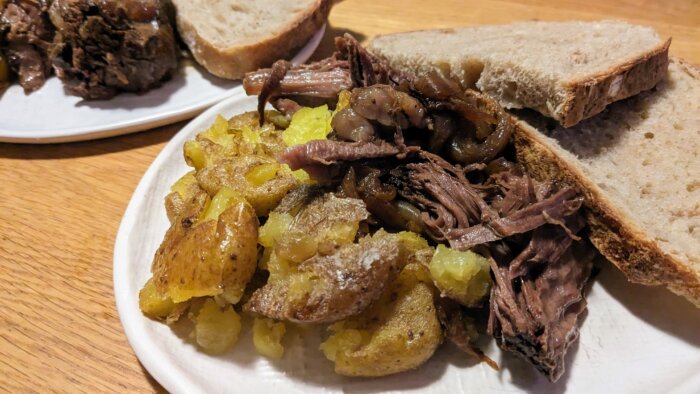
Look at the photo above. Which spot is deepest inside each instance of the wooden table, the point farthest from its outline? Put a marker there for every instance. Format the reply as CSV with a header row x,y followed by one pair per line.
x,y
60,205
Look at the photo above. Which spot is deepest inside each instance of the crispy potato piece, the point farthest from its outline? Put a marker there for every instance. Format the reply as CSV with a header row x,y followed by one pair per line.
x,y
328,288
250,176
208,257
398,333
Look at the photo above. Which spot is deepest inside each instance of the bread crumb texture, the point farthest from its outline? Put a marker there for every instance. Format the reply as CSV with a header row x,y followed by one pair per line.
x,y
643,153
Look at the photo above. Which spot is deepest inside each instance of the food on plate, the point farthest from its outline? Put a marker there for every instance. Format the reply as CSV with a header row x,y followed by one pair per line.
x,y
106,47
399,332
347,246
403,202
216,327
635,162
267,337
232,37
26,36
102,48
568,71
461,275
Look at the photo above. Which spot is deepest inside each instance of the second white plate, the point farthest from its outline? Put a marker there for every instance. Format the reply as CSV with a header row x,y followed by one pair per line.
x,y
50,115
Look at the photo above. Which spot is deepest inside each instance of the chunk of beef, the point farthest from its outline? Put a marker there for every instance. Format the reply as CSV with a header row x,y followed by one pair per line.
x,y
351,66
29,38
537,299
328,152
110,46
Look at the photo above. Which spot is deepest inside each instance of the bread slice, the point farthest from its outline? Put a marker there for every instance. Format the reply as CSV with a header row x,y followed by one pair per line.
x,y
232,37
565,70
638,165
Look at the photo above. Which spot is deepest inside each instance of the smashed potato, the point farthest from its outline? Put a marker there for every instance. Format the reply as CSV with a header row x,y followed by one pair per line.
x,y
267,337
216,328
328,288
261,180
239,136
462,276
308,124
398,333
152,303
210,250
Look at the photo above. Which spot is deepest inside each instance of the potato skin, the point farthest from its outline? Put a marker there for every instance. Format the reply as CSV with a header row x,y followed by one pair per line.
x,y
232,173
208,258
398,333
335,286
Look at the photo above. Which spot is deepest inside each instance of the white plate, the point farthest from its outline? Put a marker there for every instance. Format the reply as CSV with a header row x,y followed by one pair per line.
x,y
50,115
634,339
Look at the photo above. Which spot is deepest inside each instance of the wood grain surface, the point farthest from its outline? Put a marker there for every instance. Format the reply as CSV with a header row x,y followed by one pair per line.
x,y
60,205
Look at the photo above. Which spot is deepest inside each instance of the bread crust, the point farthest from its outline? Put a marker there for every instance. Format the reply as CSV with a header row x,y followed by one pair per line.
x,y
234,62
590,95
615,236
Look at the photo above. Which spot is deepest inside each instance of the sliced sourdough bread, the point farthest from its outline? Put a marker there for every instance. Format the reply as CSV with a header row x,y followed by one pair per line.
x,y
232,37
568,71
638,165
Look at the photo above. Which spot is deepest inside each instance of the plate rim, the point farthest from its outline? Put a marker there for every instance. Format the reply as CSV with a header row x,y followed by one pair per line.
x,y
157,119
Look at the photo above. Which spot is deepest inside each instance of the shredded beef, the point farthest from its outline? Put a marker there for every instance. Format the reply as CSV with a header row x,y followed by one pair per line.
x,y
111,46
327,152
29,38
351,66
535,315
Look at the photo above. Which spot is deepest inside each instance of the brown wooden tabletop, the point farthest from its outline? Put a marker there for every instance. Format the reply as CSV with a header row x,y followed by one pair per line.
x,y
60,205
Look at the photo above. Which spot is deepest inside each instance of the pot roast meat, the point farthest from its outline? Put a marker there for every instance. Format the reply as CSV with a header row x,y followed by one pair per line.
x,y
111,46
328,152
534,313
564,203
29,38
350,66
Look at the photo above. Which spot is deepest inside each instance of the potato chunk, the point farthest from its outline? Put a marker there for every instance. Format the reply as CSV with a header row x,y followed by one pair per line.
x,y
261,180
216,328
267,337
328,288
154,304
398,333
462,276
239,136
216,255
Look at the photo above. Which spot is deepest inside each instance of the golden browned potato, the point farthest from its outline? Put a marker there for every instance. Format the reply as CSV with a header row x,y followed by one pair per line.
x,y
261,180
183,190
240,136
210,250
329,287
398,333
